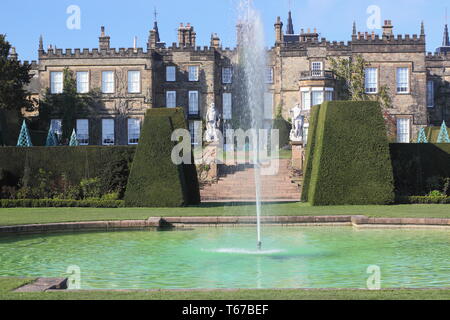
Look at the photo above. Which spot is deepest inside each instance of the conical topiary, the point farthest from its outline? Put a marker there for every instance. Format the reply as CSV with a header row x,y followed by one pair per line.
x,y
51,139
73,139
422,138
443,134
24,137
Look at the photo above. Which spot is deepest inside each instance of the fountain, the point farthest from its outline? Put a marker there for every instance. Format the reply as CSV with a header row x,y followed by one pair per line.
x,y
253,62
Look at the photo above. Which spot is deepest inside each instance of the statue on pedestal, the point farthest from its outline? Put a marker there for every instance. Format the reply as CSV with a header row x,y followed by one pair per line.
x,y
298,121
212,124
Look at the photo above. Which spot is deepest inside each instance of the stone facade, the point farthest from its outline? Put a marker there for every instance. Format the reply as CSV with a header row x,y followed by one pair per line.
x,y
299,63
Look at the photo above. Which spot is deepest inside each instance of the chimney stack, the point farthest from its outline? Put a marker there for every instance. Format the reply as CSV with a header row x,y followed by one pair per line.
x,y
388,29
279,31
186,35
104,40
215,41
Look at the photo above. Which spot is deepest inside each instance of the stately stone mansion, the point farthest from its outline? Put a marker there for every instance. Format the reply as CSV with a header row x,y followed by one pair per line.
x,y
186,75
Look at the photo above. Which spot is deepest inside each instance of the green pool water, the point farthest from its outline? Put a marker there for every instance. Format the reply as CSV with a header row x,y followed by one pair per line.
x,y
294,257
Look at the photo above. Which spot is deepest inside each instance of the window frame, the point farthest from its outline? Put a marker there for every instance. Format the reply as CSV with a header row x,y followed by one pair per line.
x,y
399,89
174,68
83,138
269,75
87,82
314,71
104,82
368,85
430,95
167,99
195,125
109,120
227,114
138,81
269,96
53,88
403,136
227,77
190,112
197,74
131,139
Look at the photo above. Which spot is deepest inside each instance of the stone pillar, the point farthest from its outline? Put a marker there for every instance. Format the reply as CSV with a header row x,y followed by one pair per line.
x,y
298,155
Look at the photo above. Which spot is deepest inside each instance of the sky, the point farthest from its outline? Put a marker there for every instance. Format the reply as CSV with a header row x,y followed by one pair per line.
x,y
23,21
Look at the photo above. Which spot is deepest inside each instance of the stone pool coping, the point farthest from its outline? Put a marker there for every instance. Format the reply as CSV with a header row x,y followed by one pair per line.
x,y
358,221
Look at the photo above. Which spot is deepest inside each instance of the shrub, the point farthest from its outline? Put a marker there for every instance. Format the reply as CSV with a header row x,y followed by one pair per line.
x,y
59,203
284,128
351,162
309,152
423,200
155,181
65,167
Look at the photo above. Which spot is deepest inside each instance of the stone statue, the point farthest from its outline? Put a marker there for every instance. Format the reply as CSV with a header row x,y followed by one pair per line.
x,y
297,124
212,124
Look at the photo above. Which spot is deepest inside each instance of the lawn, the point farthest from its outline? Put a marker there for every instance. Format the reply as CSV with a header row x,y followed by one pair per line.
x,y
17,216
9,284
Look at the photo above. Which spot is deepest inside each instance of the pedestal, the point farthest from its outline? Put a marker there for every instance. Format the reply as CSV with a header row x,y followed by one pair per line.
x,y
210,160
298,152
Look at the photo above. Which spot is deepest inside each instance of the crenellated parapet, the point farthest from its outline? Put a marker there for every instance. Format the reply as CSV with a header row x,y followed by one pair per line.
x,y
431,56
33,63
92,53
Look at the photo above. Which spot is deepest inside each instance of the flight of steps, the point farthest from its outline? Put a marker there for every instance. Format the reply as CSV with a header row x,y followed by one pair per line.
x,y
238,185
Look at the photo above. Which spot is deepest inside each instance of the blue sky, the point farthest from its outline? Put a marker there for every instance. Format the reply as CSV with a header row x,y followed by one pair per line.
x,y
24,20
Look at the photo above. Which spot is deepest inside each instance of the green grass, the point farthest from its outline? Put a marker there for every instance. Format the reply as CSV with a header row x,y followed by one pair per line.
x,y
9,284
17,216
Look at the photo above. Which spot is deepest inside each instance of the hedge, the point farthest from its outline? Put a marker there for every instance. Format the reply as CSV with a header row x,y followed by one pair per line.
x,y
110,164
57,203
309,152
423,200
155,181
417,166
351,163
284,128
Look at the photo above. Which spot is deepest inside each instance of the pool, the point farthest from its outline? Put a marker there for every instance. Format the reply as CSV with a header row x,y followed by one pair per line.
x,y
291,257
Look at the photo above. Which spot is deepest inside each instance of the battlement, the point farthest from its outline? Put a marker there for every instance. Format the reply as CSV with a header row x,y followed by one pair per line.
x,y
322,42
93,53
375,39
433,56
33,63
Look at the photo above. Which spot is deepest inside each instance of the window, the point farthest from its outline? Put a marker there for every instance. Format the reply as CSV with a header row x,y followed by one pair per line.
x,y
430,94
108,132
56,127
193,103
227,106
402,80
134,131
227,75
83,82
371,82
171,73
316,68
194,130
306,100
268,106
305,133
317,97
56,82
134,81
269,75
328,94
193,73
171,99
403,135
108,83
83,132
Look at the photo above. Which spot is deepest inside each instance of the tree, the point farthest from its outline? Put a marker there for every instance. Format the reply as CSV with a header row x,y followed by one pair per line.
x,y
24,137
73,139
51,141
350,76
68,105
13,77
422,138
443,134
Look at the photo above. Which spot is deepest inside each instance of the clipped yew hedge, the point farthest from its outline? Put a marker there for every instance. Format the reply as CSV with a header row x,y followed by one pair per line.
x,y
155,181
76,163
309,152
351,163
419,167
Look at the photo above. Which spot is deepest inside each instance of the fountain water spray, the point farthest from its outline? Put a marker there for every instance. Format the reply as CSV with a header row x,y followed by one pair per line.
x,y
253,63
